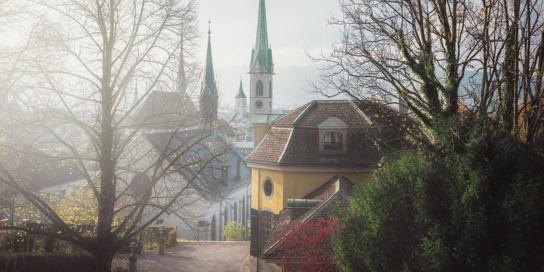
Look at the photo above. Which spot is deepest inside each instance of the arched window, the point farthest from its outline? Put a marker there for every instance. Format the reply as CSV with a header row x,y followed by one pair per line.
x,y
259,88
270,89
226,216
214,229
235,212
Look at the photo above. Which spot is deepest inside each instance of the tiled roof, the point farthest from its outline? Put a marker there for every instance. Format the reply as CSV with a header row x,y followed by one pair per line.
x,y
322,110
288,119
272,146
364,122
188,148
336,189
165,110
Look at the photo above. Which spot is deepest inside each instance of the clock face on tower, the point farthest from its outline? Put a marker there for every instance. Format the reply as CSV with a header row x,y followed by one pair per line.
x,y
240,102
259,104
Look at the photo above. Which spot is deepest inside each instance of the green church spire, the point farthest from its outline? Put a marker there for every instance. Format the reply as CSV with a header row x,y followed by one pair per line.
x,y
262,54
241,93
210,78
262,30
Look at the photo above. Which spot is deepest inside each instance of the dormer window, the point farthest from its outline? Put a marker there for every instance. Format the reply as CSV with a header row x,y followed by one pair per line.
x,y
333,136
333,141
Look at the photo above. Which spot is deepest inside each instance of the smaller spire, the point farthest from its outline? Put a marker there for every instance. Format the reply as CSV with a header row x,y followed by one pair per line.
x,y
136,93
241,93
182,78
209,27
209,78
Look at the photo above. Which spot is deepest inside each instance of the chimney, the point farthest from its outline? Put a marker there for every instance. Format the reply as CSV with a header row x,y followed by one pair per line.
x,y
225,174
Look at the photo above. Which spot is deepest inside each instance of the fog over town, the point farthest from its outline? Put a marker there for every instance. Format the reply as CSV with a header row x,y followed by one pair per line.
x,y
255,135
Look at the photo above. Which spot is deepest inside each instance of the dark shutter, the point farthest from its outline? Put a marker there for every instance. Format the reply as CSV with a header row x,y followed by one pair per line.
x,y
254,246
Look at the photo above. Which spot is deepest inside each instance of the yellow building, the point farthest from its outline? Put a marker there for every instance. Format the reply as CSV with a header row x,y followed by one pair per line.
x,y
306,148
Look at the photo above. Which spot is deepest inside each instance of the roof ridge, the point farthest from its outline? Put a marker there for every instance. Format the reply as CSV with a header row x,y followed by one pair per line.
x,y
292,112
287,146
361,112
304,112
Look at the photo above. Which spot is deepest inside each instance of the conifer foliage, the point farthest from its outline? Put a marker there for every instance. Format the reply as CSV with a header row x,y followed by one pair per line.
x,y
471,198
477,210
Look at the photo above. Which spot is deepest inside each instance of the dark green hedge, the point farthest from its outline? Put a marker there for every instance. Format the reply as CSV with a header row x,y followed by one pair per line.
x,y
48,263
151,234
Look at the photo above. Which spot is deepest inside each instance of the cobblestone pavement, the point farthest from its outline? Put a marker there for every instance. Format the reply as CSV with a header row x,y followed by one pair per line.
x,y
193,256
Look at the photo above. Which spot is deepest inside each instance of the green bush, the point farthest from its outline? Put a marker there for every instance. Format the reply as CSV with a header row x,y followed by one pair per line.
x,y
150,235
149,246
125,247
475,210
232,231
58,262
39,244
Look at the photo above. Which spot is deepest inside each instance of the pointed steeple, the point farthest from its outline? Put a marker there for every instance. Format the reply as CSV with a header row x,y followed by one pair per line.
x,y
261,54
262,30
209,96
209,80
182,78
135,100
241,93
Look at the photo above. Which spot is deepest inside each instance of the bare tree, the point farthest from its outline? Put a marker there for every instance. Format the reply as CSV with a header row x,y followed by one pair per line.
x,y
139,158
436,56
11,13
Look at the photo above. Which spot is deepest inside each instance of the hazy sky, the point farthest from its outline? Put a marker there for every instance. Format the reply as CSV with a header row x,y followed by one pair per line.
x,y
293,25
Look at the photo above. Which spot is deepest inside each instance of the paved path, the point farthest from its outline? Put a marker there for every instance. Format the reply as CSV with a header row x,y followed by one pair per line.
x,y
195,256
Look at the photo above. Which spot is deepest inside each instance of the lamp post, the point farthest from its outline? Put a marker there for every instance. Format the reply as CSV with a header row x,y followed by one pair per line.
x,y
162,230
132,257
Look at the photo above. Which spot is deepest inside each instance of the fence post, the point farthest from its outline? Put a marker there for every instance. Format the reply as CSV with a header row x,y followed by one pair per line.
x,y
162,229
132,258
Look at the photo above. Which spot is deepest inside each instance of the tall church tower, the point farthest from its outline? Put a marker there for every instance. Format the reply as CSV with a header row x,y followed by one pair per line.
x,y
209,96
261,69
241,102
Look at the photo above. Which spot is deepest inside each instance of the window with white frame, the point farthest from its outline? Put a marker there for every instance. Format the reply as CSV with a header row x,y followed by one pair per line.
x,y
333,136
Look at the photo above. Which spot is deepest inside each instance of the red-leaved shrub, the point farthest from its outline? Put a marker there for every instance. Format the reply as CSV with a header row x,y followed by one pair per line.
x,y
308,246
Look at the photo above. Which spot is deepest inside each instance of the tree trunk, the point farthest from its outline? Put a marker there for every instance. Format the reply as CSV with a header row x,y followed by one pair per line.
x,y
103,258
